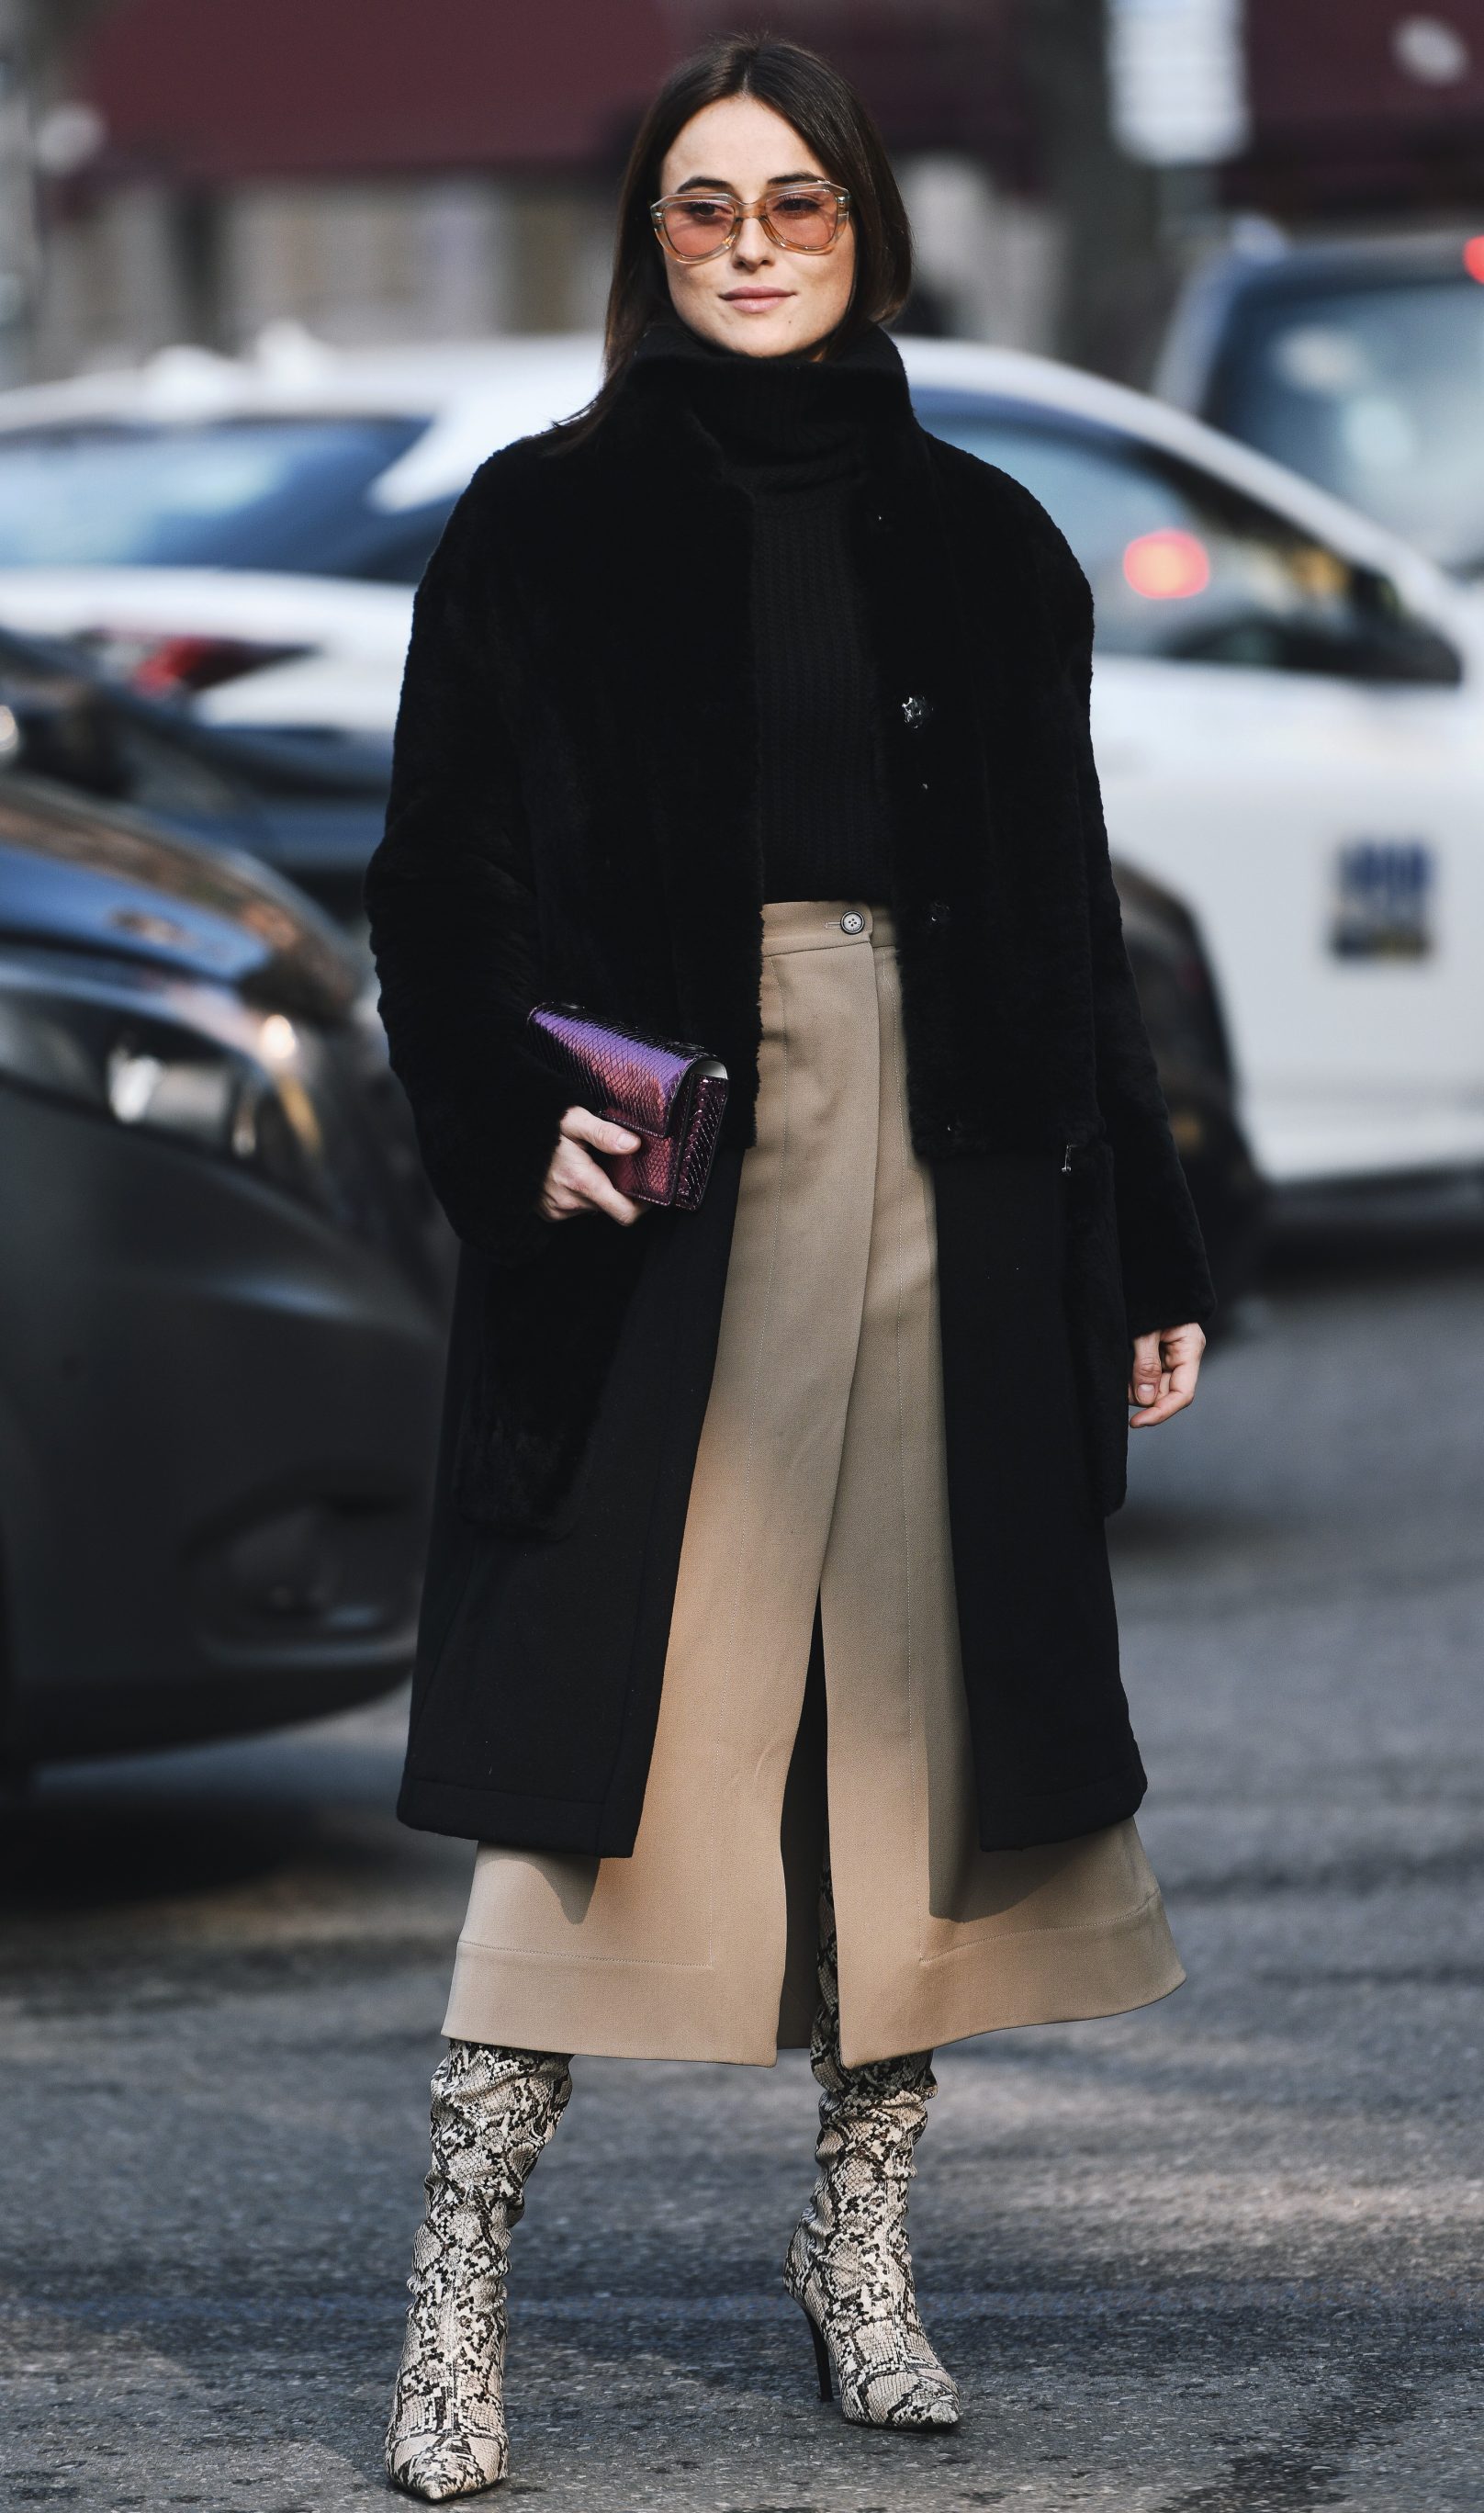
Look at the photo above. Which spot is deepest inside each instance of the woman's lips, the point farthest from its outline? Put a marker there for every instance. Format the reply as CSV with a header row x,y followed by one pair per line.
x,y
756,300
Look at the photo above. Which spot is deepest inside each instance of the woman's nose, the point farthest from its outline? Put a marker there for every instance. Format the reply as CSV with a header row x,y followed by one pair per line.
x,y
753,241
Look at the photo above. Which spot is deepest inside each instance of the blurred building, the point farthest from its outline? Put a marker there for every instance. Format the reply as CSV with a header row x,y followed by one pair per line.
x,y
379,168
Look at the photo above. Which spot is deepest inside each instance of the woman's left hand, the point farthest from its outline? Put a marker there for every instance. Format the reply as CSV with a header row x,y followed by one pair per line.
x,y
1166,1367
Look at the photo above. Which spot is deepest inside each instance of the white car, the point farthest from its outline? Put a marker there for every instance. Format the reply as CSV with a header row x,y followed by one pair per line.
x,y
247,533
1286,698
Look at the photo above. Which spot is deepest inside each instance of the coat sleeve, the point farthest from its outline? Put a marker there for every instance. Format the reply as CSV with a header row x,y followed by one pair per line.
x,y
1166,1279
450,893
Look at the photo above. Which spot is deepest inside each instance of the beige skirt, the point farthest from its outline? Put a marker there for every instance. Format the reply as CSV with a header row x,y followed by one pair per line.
x,y
820,1487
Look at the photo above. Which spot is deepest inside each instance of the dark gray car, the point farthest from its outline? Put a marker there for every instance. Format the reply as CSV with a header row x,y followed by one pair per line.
x,y
221,1298
1359,363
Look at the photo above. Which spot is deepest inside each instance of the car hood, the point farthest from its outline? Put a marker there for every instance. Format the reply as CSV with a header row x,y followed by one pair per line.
x,y
79,877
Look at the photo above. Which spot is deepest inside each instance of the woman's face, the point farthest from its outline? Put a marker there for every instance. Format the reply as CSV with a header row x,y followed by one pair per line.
x,y
757,296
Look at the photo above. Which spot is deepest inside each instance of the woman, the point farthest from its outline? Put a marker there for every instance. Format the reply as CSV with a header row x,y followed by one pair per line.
x,y
744,712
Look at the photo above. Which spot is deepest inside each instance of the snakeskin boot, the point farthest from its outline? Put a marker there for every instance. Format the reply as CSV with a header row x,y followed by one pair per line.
x,y
848,2264
493,2110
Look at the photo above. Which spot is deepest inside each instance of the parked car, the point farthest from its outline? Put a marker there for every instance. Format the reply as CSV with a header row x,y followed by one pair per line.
x,y
1286,696
1286,707
1358,363
223,1289
246,533
311,810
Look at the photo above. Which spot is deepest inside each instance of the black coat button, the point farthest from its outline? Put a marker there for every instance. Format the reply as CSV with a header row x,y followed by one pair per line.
x,y
915,712
937,912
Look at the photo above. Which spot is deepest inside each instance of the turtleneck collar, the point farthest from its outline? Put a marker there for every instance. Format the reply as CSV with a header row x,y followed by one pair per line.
x,y
779,422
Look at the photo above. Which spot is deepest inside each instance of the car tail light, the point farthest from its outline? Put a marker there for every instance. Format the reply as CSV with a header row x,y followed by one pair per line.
x,y
1474,258
181,667
1167,566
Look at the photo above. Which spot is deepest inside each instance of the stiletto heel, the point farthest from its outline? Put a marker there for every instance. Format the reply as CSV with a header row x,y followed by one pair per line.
x,y
821,2356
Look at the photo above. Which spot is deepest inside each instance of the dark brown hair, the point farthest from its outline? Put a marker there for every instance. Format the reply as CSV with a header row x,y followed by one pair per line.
x,y
826,110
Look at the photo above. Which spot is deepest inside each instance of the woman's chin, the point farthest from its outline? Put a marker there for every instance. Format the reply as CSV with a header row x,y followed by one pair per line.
x,y
771,333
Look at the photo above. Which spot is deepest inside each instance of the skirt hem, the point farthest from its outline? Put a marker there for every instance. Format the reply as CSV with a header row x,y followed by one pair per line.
x,y
575,2005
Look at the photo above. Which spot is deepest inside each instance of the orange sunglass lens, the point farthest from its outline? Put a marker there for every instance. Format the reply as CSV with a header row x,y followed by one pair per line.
x,y
697,225
804,220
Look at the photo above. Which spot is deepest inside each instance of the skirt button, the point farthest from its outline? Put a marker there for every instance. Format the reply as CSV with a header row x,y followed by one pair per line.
x,y
852,922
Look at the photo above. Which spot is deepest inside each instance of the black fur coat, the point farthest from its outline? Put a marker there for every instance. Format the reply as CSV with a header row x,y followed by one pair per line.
x,y
571,816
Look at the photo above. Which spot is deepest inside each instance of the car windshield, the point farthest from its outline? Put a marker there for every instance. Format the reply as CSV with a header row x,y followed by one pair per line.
x,y
1377,393
276,494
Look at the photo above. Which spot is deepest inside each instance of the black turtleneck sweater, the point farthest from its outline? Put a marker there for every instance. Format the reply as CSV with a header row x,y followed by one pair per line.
x,y
790,431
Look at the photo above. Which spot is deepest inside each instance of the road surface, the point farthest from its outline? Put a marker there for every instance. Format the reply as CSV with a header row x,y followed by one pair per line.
x,y
1223,2255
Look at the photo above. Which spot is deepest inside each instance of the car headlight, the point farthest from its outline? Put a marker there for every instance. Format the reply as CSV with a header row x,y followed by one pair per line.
x,y
190,1062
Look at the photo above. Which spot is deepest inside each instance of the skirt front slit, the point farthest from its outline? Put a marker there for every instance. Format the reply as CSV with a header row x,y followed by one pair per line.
x,y
816,1527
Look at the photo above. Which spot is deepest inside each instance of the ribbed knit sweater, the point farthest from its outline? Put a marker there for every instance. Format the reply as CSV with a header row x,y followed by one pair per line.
x,y
789,431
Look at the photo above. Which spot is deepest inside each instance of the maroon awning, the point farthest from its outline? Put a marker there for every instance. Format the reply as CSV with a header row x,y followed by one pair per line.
x,y
208,92
1327,74
1345,120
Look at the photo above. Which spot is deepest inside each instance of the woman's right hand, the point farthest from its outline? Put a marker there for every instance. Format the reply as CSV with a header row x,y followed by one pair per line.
x,y
574,1181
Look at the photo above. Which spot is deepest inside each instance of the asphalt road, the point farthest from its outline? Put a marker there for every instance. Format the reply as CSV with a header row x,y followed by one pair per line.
x,y
1222,2254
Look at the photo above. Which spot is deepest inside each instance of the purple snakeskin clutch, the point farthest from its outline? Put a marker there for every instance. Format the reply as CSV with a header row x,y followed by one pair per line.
x,y
672,1093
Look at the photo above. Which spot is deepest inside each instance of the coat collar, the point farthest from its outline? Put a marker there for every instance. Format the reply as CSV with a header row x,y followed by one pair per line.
x,y
703,404
871,353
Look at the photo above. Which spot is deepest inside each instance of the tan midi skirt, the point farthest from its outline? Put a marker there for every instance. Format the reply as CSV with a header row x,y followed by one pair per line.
x,y
819,1507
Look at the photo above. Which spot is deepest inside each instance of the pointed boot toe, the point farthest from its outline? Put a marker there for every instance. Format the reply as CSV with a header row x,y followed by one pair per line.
x,y
887,2373
913,2399
437,2467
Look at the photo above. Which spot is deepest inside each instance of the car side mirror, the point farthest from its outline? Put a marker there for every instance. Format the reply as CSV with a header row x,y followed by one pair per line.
x,y
1393,644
